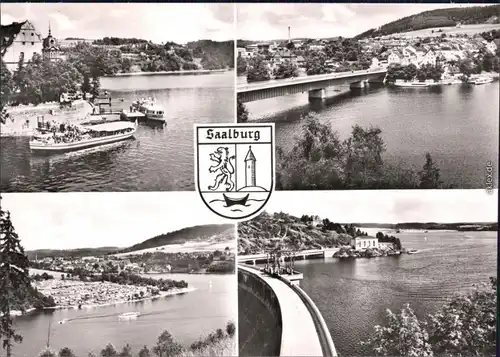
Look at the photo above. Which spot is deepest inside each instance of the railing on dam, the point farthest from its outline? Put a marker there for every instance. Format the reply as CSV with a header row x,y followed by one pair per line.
x,y
303,330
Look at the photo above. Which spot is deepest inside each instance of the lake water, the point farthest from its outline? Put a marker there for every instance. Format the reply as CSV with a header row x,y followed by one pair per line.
x,y
187,317
457,124
158,159
353,295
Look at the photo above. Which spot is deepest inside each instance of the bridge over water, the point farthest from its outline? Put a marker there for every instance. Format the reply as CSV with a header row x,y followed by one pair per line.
x,y
261,258
315,85
277,318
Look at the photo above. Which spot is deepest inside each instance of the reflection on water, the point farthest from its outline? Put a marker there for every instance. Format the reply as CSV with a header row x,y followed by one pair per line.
x,y
456,124
159,159
187,317
353,295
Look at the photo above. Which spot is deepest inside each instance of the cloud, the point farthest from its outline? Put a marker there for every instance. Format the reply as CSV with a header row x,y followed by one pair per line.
x,y
271,21
158,22
76,220
445,206
63,22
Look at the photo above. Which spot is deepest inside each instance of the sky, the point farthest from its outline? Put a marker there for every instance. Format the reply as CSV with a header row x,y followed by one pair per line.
x,y
260,22
89,220
387,206
158,22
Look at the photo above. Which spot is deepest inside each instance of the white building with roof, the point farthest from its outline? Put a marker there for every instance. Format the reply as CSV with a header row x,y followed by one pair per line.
x,y
26,42
364,242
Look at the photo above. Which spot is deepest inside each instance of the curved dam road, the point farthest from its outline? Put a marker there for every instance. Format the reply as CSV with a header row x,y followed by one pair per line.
x,y
303,331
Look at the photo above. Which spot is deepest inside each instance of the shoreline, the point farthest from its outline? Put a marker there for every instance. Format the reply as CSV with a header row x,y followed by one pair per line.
x,y
90,306
182,72
52,111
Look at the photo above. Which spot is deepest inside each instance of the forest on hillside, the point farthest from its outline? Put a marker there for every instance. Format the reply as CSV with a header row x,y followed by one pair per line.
x,y
437,18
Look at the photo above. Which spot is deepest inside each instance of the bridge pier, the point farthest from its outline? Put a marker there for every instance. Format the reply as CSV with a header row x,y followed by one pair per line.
x,y
317,94
360,85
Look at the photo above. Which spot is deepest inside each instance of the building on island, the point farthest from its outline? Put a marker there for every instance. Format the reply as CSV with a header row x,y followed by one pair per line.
x,y
250,160
361,243
51,50
19,40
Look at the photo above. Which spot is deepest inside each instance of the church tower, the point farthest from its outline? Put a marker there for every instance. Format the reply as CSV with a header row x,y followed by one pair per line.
x,y
250,169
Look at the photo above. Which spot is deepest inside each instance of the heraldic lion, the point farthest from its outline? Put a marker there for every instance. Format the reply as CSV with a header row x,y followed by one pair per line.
x,y
224,167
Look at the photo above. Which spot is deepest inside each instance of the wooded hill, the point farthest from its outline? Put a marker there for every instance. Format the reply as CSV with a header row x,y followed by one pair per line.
x,y
215,233
438,18
268,231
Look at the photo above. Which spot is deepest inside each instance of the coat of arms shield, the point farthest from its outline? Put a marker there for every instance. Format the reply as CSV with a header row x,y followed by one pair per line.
x,y
235,168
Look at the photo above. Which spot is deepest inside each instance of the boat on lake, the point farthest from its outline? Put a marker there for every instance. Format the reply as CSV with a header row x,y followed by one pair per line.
x,y
63,321
235,201
412,84
82,137
150,109
412,251
480,80
129,315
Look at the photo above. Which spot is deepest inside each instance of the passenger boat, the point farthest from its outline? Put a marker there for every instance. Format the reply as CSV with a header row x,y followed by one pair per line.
x,y
150,109
480,80
411,84
129,315
88,136
235,201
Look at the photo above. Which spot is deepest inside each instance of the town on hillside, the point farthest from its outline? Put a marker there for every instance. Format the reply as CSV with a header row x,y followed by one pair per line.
x,y
454,54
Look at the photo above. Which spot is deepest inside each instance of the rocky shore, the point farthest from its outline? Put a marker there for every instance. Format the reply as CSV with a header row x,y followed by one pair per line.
x,y
348,252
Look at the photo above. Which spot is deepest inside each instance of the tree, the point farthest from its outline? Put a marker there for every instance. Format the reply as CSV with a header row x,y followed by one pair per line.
x,y
287,69
109,351
126,351
167,346
144,352
466,326
94,90
231,328
14,280
6,87
315,63
364,163
429,176
257,70
242,112
241,66
404,335
66,352
47,353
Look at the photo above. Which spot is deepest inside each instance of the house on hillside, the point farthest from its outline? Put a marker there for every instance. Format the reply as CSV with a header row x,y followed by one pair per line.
x,y
362,243
395,57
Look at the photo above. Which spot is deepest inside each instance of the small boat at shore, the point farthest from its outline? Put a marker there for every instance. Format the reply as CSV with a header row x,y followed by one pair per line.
x,y
480,80
235,201
88,136
150,109
412,251
129,315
